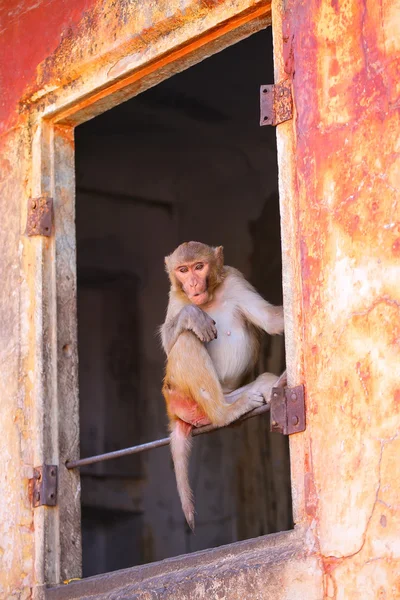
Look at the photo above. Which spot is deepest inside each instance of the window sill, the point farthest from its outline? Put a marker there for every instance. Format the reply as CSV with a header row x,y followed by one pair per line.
x,y
267,567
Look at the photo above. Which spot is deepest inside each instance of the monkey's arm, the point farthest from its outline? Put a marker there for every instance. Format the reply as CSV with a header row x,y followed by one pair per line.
x,y
191,318
255,309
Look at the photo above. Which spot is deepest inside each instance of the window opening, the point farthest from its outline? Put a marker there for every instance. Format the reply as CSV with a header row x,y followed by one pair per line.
x,y
184,160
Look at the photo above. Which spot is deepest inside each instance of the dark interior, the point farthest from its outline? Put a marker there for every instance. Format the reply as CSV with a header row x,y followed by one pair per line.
x,y
184,160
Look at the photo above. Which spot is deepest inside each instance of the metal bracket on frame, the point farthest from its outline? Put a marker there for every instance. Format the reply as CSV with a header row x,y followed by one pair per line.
x,y
276,104
44,485
288,410
40,216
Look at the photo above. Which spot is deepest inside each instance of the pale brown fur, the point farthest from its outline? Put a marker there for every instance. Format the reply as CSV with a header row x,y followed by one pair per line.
x,y
205,367
200,382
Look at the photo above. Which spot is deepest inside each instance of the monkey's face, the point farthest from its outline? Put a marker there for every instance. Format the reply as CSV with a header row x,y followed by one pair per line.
x,y
193,278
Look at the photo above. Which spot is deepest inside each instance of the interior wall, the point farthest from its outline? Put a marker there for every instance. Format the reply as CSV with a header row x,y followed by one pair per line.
x,y
185,160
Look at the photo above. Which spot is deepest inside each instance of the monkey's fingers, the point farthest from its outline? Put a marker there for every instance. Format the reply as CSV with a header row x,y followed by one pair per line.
x,y
211,328
201,334
206,333
212,333
256,398
263,385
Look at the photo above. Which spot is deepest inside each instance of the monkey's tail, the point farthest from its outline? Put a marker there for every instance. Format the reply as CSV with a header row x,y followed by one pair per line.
x,y
181,443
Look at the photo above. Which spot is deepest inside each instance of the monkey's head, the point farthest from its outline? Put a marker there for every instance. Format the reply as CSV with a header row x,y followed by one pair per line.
x,y
196,270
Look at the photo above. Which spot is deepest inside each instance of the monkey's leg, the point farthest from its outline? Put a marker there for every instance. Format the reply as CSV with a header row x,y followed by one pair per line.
x,y
251,395
262,385
191,373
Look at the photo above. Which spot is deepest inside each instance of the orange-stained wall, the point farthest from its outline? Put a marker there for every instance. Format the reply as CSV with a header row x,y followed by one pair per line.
x,y
340,212
344,58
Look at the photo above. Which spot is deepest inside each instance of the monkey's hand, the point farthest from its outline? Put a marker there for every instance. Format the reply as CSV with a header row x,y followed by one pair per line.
x,y
194,319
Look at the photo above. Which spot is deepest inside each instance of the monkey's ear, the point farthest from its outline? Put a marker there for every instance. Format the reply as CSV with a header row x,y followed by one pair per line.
x,y
219,256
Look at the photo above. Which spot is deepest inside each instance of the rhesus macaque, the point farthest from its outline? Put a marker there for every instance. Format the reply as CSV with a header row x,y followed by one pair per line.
x,y
211,336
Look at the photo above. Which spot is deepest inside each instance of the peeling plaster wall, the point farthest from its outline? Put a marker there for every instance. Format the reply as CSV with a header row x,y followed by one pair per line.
x,y
16,518
53,52
342,213
345,62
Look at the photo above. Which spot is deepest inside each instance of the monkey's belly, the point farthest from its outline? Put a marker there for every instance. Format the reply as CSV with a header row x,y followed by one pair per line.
x,y
233,355
186,409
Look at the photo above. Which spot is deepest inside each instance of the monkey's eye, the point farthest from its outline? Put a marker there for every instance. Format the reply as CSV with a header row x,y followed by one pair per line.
x,y
199,266
183,269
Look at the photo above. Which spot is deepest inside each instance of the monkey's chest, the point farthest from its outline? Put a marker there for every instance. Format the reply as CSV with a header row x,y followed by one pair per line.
x,y
232,352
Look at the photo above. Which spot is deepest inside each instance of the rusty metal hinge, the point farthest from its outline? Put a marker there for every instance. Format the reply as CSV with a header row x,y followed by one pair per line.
x,y
40,216
288,410
276,104
44,485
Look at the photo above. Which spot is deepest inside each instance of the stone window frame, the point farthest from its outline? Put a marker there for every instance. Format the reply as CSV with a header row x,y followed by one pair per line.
x,y
53,353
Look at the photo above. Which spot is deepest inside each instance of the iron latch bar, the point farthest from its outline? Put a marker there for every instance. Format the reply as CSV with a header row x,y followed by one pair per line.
x,y
44,485
40,216
276,104
288,410
90,460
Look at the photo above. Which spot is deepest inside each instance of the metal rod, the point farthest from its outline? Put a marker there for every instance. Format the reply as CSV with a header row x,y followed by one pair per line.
x,y
72,464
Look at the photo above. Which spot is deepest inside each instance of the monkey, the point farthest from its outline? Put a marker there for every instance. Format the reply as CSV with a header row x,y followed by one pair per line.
x,y
211,336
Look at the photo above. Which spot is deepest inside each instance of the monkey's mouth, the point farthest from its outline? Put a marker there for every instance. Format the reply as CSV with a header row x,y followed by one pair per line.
x,y
199,297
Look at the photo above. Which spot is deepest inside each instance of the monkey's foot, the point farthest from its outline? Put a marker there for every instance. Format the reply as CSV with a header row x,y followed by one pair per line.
x,y
254,400
263,386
